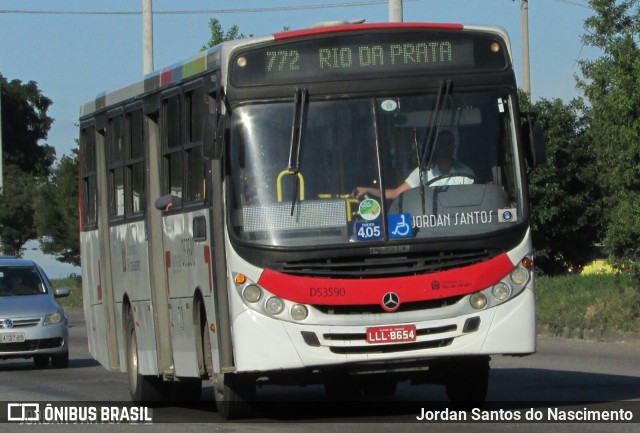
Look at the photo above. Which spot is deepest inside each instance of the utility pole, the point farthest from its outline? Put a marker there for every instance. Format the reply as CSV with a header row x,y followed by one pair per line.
x,y
526,77
395,11
147,35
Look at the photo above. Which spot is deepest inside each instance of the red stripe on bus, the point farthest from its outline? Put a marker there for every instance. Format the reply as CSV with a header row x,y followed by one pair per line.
x,y
207,260
166,76
167,265
359,27
369,291
99,288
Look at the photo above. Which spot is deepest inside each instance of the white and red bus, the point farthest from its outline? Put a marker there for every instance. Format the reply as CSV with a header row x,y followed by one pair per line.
x,y
225,235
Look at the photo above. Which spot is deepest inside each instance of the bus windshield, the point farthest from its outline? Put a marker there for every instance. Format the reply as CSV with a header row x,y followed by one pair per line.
x,y
297,167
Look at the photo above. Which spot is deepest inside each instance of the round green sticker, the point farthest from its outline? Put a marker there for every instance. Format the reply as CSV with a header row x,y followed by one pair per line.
x,y
369,209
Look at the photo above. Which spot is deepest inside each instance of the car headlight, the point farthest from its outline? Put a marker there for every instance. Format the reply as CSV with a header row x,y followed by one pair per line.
x,y
53,318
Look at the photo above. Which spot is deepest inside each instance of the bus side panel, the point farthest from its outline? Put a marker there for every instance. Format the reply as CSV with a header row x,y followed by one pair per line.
x,y
92,297
130,274
145,334
188,271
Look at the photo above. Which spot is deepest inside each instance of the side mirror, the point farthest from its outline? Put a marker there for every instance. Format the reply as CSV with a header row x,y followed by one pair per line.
x,y
213,137
61,292
535,144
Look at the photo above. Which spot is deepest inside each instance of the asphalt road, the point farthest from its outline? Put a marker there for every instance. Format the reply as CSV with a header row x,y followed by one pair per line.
x,y
568,376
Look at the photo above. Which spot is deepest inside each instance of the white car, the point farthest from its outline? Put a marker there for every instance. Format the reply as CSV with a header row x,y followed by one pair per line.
x,y
32,323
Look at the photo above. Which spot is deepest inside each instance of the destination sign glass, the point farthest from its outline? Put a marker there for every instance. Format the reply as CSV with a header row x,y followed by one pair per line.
x,y
371,54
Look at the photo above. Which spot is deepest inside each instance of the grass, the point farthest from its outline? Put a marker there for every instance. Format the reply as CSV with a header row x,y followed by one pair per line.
x,y
597,302
74,300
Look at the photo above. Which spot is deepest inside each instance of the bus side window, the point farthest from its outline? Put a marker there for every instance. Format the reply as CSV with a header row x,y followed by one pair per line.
x,y
172,166
135,190
115,165
88,164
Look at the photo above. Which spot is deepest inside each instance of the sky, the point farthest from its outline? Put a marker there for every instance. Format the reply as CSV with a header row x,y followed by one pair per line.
x,y
74,56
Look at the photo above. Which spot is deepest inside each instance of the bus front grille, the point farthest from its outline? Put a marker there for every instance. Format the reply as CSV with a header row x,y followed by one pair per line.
x,y
383,266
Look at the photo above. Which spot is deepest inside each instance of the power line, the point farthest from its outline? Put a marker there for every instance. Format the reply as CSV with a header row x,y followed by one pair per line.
x,y
205,12
574,3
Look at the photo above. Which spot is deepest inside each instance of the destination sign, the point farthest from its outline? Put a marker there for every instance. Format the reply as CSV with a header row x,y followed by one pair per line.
x,y
376,54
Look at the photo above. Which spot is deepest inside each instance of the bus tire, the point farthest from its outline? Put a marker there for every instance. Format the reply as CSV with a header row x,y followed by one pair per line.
x,y
467,381
143,389
233,394
207,357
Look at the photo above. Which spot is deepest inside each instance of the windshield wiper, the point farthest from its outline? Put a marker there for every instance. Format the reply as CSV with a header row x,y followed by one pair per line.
x,y
297,129
419,158
444,88
434,128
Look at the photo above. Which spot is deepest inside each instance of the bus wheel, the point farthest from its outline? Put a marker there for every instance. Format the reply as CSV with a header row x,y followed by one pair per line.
x,y
207,357
143,389
467,381
233,394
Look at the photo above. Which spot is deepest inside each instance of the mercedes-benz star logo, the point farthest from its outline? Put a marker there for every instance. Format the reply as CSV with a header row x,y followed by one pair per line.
x,y
7,323
390,301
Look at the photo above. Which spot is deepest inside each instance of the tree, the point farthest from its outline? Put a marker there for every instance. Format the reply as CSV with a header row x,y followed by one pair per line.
x,y
26,162
611,83
56,212
16,210
565,208
24,124
218,35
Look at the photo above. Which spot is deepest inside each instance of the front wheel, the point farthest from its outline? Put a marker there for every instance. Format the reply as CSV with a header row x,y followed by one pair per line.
x,y
143,389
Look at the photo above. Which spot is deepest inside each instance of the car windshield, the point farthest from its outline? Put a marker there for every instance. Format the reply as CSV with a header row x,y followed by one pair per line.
x,y
297,167
20,281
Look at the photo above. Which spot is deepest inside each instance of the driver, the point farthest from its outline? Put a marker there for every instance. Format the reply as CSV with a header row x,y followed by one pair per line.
x,y
444,170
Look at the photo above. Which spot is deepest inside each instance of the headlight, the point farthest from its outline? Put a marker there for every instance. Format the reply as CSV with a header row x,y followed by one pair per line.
x,y
274,305
501,291
252,293
299,312
52,319
478,300
519,275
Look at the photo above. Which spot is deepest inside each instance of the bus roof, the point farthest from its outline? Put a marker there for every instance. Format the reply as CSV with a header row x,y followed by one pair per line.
x,y
210,59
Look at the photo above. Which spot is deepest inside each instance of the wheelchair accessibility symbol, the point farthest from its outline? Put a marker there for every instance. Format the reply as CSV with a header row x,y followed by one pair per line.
x,y
400,226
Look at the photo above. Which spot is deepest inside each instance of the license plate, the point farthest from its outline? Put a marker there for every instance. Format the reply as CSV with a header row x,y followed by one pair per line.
x,y
391,334
12,337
